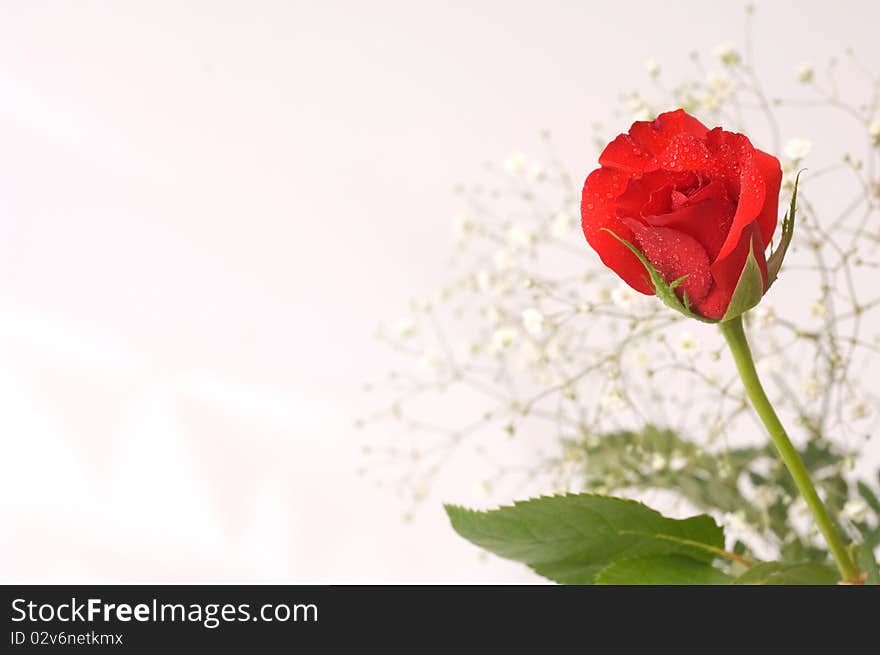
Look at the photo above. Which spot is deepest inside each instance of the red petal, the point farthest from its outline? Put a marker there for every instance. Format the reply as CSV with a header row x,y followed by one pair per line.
x,y
655,135
706,216
598,213
771,171
625,154
733,160
726,272
675,254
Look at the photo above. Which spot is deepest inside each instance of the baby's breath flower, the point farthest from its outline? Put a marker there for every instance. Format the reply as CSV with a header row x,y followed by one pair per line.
x,y
677,462
405,328
533,321
562,224
811,387
535,172
613,401
642,358
515,162
484,280
859,410
769,365
520,236
431,360
502,339
462,225
727,54
818,309
658,462
687,344
874,132
735,522
481,490
804,73
797,148
764,315
503,260
652,67
854,509
625,297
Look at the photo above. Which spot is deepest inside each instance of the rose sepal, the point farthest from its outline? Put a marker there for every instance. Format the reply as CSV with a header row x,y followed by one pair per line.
x,y
774,262
665,290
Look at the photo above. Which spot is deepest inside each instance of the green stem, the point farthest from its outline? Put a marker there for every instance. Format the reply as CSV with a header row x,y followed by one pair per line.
x,y
742,355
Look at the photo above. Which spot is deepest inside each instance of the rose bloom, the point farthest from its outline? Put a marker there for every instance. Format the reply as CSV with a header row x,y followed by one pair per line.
x,y
691,199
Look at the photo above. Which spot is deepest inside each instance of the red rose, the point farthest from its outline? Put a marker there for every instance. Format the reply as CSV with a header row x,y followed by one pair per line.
x,y
692,200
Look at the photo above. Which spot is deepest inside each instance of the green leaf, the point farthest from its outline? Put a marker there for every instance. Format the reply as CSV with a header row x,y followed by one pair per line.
x,y
782,573
571,538
664,291
661,570
868,563
749,288
774,262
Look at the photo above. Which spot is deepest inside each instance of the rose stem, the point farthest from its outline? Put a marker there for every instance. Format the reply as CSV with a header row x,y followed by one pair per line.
x,y
739,346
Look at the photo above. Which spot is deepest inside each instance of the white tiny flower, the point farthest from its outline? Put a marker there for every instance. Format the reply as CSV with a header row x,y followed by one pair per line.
x,y
855,509
535,172
529,355
642,358
727,54
613,401
502,340
811,387
405,328
819,310
735,522
563,223
520,236
481,490
553,350
625,297
764,315
652,67
484,280
687,344
859,410
658,462
515,162
874,132
462,225
643,114
678,462
503,260
533,322
431,360
800,509
719,83
601,294
766,496
708,100
804,73
635,102
769,365
494,314
797,148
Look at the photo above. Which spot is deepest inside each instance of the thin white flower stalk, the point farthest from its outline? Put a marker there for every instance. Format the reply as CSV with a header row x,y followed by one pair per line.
x,y
532,363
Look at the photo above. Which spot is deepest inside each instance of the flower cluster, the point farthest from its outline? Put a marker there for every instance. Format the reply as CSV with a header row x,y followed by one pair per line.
x,y
533,367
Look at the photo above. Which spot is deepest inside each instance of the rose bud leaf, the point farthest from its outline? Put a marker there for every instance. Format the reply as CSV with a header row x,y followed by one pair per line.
x,y
665,291
749,289
774,262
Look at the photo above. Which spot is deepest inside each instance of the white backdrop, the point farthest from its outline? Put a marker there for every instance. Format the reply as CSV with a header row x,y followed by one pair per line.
x,y
206,207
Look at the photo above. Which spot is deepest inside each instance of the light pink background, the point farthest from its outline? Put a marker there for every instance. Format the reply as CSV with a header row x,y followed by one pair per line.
x,y
206,207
